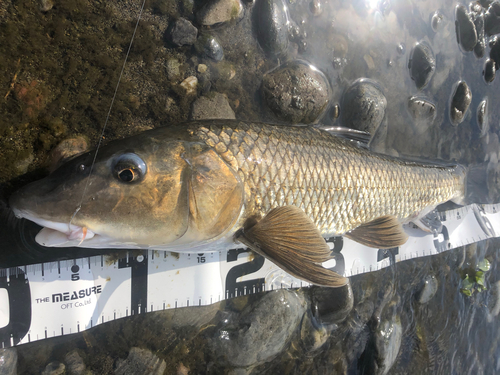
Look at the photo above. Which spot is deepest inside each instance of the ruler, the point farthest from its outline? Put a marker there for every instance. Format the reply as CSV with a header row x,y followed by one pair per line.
x,y
45,300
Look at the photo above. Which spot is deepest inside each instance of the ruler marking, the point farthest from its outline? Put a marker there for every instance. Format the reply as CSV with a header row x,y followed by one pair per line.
x,y
43,271
45,333
59,267
29,337
62,331
102,260
163,305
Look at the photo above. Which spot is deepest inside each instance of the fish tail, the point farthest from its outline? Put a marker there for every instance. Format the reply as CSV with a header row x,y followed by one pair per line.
x,y
477,183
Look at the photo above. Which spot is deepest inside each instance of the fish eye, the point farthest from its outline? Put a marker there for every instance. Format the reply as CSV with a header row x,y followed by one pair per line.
x,y
129,168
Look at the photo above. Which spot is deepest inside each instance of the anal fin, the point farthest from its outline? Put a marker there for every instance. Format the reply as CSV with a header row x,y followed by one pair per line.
x,y
288,237
382,233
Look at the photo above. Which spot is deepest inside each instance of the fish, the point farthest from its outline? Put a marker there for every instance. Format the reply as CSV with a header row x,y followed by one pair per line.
x,y
280,190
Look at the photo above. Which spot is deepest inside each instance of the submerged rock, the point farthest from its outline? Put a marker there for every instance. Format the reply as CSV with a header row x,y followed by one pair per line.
x,y
421,109
331,305
296,92
492,19
212,106
181,32
460,102
465,29
140,361
8,361
74,363
270,23
219,11
428,290
261,330
363,106
209,46
489,70
436,21
388,342
495,51
478,17
422,64
54,368
482,117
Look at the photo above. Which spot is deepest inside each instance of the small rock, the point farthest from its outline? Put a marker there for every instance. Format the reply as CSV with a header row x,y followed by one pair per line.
x,y
492,19
255,335
436,21
489,70
181,32
270,23
428,290
465,29
460,102
296,93
202,68
172,67
74,363
331,305
482,117
421,109
182,370
8,361
212,106
54,368
494,301
46,5
495,51
190,84
219,11
363,106
422,64
369,62
312,334
478,18
388,342
315,7
401,49
141,361
208,46
66,149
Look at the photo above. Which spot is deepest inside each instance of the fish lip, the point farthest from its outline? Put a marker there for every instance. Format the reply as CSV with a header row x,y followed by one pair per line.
x,y
66,228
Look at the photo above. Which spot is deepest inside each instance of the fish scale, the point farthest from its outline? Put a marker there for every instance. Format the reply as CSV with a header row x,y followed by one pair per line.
x,y
339,185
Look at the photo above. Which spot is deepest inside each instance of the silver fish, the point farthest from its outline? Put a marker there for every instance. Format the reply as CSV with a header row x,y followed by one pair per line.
x,y
277,189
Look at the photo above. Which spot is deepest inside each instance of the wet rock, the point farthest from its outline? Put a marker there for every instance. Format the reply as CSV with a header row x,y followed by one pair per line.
x,y
331,305
74,363
270,23
189,85
207,45
460,102
312,335
202,68
388,342
421,109
172,67
489,71
401,49
436,21
427,290
493,301
54,368
492,19
482,117
219,11
261,330
495,51
422,64
478,18
181,32
315,7
46,5
363,106
140,361
8,361
212,106
465,29
296,92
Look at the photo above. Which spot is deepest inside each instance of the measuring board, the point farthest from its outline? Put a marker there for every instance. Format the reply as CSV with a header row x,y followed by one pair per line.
x,y
52,299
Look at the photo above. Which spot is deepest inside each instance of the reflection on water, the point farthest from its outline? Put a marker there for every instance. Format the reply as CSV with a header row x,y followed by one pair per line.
x,y
422,83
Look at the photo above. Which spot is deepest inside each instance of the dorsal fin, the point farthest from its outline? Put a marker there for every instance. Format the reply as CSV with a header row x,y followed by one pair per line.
x,y
382,233
288,237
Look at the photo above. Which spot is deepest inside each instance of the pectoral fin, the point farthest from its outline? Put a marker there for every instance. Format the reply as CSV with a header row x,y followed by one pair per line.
x,y
290,239
382,233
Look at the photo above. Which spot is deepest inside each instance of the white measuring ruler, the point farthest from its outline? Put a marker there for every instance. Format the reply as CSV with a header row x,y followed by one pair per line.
x,y
52,299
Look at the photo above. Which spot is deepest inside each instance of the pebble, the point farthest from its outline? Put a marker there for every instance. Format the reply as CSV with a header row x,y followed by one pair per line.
x,y
219,11
312,335
465,29
495,51
331,305
181,32
189,85
209,46
492,19
270,23
460,102
436,21
202,68
140,361
421,109
296,92
46,5
489,70
478,17
363,106
422,64
315,7
388,342
74,363
428,290
8,361
54,368
261,330
212,106
482,117
172,66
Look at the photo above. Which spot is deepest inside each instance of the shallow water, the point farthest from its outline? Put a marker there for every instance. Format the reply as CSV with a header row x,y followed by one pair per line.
x,y
61,66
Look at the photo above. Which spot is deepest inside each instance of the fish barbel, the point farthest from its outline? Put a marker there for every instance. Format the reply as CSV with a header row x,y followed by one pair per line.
x,y
277,189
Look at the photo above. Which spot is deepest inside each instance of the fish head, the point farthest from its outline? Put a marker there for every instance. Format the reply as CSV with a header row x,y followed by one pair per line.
x,y
150,190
